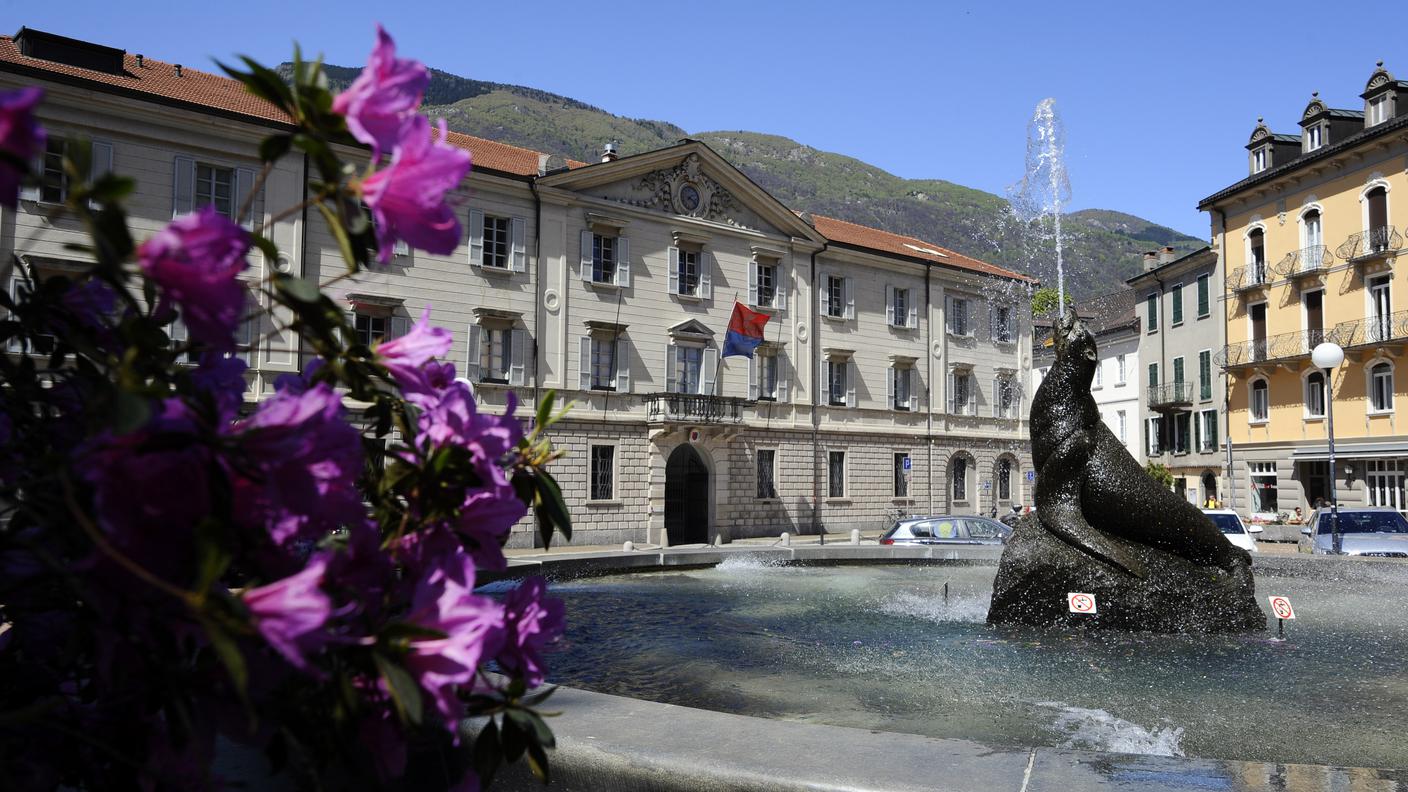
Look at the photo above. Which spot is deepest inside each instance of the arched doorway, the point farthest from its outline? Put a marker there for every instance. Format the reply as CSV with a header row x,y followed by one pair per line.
x,y
686,497
1209,487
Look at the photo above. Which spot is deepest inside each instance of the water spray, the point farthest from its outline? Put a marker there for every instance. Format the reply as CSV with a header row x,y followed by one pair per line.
x,y
1045,187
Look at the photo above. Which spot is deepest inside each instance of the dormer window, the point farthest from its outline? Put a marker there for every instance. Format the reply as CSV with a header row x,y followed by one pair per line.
x,y
1377,111
1259,160
1314,137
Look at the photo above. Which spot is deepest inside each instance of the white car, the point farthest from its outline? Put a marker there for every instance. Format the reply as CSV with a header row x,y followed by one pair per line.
x,y
1233,528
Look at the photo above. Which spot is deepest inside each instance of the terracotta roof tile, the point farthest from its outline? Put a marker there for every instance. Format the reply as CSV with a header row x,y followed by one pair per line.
x,y
157,80
911,247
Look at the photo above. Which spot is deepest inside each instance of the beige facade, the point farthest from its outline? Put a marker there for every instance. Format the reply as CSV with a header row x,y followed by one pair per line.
x,y
613,284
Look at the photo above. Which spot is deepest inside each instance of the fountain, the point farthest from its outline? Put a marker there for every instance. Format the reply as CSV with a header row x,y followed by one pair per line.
x,y
1045,186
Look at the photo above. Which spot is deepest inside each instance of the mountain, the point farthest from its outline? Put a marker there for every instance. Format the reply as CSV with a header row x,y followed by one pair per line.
x,y
1101,247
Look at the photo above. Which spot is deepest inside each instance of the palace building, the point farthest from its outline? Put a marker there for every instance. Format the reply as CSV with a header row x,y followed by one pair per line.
x,y
890,380
1310,241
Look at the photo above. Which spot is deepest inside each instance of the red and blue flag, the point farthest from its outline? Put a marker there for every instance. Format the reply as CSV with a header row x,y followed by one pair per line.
x,y
745,331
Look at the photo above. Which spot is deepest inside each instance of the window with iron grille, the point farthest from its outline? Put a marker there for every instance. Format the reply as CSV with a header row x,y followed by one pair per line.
x,y
603,472
901,480
1004,479
215,186
603,258
767,473
687,268
960,478
766,284
836,474
497,242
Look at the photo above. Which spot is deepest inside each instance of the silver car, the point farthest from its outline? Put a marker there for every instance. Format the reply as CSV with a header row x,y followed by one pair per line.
x,y
1237,532
1364,531
946,529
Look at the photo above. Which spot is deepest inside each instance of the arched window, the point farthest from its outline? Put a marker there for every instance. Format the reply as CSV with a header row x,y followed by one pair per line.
x,y
1313,238
958,472
1376,213
1381,388
1315,395
1256,256
1003,475
1261,400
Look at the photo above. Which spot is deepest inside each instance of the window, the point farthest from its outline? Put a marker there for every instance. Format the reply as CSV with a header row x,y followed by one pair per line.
x,y
1153,376
1260,404
836,474
496,242
1380,309
959,474
1177,297
1004,329
1256,256
1314,237
765,284
767,474
1120,369
961,399
1315,395
1384,479
1099,380
688,369
1259,160
1205,375
604,364
215,186
764,384
1381,388
368,329
838,390
1380,234
900,311
1178,370
1204,296
901,475
1151,312
1182,432
1378,110
836,299
1207,436
1121,426
603,258
901,387
495,354
958,323
603,473
1004,479
1313,139
1153,436
1007,399
1263,475
53,179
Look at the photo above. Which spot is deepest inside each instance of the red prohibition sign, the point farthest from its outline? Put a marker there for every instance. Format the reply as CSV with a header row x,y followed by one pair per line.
x,y
1281,606
1081,603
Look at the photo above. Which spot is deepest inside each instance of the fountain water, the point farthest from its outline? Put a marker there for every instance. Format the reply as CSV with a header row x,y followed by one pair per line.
x,y
1045,187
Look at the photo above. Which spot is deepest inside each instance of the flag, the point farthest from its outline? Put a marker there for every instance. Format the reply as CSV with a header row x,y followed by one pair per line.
x,y
745,331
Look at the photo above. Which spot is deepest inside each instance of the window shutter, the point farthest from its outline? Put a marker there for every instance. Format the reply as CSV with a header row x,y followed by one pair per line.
x,y
824,293
850,381
784,377
244,182
671,383
476,238
30,190
183,188
623,365
1212,426
948,314
623,263
673,254
753,282
913,319
753,377
849,297
584,363
710,373
784,282
586,258
1197,435
518,368
400,325
952,403
889,304
518,261
913,390
101,164
706,275
401,248
473,348
890,388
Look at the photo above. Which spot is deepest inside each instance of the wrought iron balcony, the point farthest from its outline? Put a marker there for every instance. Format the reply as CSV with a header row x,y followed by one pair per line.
x,y
1305,262
693,408
1170,395
1372,330
1285,346
1252,276
1371,244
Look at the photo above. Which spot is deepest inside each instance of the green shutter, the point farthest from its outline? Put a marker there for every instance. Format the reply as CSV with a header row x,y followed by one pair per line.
x,y
1205,375
1178,369
1203,296
1178,304
1153,312
1153,375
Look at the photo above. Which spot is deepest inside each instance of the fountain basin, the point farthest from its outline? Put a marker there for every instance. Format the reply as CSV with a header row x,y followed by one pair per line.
x,y
874,647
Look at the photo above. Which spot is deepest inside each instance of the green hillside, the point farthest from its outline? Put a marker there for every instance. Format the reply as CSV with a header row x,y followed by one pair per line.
x,y
1101,247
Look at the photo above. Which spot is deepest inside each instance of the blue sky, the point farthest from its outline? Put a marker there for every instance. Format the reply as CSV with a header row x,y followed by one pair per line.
x,y
1158,98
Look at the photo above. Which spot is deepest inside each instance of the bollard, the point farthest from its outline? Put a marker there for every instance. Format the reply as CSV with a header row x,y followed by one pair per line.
x,y
945,592
786,539
628,547
855,536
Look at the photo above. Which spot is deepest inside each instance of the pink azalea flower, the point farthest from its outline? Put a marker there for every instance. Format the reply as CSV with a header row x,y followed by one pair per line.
x,y
290,613
407,197
405,357
196,260
21,138
532,621
383,97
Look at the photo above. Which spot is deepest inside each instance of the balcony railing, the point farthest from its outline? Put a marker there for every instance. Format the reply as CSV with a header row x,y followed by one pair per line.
x,y
1278,347
1171,394
1305,262
1370,244
693,408
1372,330
1252,276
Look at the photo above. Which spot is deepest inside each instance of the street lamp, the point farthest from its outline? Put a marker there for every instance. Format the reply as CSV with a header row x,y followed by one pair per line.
x,y
1328,356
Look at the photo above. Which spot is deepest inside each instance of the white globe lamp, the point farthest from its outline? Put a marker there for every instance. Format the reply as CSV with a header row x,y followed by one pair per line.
x,y
1327,355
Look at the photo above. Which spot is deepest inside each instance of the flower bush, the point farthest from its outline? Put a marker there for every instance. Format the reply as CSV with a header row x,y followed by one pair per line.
x,y
181,572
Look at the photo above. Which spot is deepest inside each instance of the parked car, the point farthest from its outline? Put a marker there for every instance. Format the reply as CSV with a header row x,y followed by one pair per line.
x,y
946,529
1232,527
1364,531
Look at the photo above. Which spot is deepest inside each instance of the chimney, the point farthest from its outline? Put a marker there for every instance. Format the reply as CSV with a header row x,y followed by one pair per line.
x,y
178,70
1151,260
608,152
139,60
1167,254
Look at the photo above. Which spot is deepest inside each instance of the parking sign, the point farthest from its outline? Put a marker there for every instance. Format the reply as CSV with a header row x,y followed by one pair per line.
x,y
907,464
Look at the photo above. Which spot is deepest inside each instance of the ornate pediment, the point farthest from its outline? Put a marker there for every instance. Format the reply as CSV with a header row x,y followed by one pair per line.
x,y
686,190
691,329
1379,78
1315,108
1262,132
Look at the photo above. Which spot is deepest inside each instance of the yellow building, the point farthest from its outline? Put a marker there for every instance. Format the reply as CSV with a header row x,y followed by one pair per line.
x,y
1312,242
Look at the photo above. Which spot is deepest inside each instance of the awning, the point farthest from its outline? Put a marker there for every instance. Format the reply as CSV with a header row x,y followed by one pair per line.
x,y
1352,450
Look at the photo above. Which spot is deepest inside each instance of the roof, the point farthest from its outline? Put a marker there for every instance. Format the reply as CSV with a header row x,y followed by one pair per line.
x,y
860,236
1285,137
156,80
1104,315
1185,258
1356,115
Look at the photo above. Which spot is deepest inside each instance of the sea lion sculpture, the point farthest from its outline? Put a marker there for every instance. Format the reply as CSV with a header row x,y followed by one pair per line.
x,y
1103,526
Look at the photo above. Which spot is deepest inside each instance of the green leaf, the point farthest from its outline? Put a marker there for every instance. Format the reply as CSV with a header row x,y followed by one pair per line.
x,y
534,699
344,242
533,725
404,690
275,146
514,740
266,246
545,408
212,556
487,753
129,412
538,762
296,289
551,507
228,651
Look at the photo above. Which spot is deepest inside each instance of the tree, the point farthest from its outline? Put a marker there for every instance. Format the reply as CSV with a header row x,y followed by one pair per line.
x,y
1160,473
1044,301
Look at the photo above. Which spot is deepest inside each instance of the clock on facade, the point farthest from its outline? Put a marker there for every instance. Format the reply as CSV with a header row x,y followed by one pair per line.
x,y
689,197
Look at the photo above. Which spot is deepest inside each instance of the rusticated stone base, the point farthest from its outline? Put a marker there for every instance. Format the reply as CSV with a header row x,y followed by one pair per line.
x,y
1037,570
